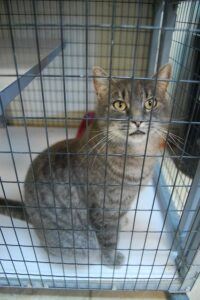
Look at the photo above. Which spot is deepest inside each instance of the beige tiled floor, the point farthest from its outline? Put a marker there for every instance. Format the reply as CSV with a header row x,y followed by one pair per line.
x,y
61,295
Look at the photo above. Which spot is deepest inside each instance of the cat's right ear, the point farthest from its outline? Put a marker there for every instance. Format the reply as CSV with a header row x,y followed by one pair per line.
x,y
165,73
101,82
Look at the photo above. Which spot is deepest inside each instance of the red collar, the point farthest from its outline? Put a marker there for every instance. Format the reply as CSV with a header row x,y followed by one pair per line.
x,y
82,127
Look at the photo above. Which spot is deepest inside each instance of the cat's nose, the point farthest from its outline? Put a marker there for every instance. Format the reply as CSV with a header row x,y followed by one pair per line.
x,y
137,123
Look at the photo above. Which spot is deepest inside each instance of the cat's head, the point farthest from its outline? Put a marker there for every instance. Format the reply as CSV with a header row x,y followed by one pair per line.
x,y
133,102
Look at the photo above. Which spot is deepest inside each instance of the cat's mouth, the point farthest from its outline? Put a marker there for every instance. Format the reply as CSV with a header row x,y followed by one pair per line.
x,y
137,132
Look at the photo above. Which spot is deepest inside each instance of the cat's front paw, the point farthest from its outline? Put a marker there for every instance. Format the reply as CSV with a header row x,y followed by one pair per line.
x,y
112,258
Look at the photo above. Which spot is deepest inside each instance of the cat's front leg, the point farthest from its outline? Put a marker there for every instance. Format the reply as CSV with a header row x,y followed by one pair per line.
x,y
108,240
107,228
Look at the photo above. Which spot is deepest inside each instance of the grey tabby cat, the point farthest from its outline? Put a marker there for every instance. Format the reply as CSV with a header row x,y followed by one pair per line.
x,y
73,194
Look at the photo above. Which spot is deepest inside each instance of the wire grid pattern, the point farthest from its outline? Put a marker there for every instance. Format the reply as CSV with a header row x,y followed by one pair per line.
x,y
183,54
99,36
115,35
182,184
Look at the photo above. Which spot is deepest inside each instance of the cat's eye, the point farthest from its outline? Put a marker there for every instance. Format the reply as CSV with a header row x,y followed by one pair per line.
x,y
119,105
150,103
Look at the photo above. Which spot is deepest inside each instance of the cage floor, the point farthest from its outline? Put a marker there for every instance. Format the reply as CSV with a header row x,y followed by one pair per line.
x,y
147,251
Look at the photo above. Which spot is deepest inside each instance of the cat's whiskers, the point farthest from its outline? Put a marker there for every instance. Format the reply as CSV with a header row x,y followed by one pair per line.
x,y
177,145
175,134
163,136
92,138
173,139
89,152
99,150
102,140
172,134
180,140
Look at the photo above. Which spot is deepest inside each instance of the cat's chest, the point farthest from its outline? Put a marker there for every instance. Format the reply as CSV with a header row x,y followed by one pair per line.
x,y
118,170
114,185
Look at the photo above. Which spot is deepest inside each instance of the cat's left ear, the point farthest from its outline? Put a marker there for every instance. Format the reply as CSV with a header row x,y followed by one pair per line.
x,y
164,73
101,81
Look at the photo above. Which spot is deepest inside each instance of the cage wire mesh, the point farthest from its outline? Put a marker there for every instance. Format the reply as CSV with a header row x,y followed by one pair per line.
x,y
48,50
99,16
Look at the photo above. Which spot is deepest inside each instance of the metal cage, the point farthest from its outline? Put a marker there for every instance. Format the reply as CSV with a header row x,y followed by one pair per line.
x,y
47,51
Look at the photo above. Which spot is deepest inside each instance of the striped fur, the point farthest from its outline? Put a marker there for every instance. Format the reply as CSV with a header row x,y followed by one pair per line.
x,y
74,199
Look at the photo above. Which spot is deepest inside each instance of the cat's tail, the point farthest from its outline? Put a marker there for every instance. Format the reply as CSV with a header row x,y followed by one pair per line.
x,y
13,208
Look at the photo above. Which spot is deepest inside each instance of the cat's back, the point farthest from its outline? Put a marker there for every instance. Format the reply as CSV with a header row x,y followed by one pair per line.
x,y
47,181
47,165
